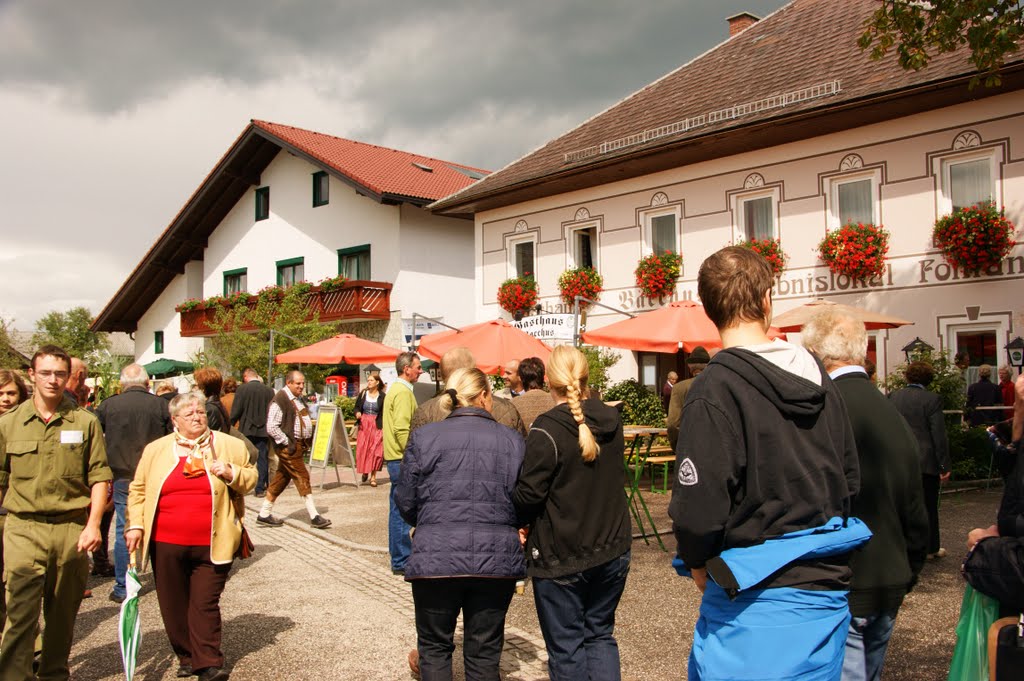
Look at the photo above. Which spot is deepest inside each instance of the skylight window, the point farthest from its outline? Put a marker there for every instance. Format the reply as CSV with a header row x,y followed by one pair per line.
x,y
424,168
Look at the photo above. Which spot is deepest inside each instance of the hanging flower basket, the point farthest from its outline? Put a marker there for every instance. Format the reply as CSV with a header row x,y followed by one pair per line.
x,y
974,237
580,281
771,250
270,293
856,250
656,274
517,294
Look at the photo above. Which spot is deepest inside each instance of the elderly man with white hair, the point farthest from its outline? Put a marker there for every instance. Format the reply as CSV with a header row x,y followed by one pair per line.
x,y
130,420
890,500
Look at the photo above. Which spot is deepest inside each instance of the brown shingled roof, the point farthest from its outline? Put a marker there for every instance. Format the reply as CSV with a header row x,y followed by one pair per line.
x,y
804,44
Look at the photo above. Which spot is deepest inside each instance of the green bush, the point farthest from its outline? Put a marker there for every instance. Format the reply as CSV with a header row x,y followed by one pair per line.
x,y
347,405
642,407
599,360
948,383
970,450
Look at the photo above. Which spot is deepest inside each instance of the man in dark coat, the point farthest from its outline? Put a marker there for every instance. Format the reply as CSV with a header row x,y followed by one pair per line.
x,y
130,420
696,362
984,393
923,411
249,411
890,499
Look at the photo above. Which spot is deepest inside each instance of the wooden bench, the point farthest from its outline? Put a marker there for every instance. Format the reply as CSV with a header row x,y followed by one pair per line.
x,y
664,457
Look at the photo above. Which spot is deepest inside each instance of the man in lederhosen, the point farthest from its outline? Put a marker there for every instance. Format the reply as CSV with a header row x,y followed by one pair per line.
x,y
288,422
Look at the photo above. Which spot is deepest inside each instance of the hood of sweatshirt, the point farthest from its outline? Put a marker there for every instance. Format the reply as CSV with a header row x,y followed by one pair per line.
x,y
602,419
787,375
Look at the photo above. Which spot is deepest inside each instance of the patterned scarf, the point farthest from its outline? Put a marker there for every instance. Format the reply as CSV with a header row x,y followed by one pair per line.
x,y
194,466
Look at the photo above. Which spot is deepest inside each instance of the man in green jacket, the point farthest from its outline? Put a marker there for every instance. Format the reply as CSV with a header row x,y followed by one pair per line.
x,y
399,406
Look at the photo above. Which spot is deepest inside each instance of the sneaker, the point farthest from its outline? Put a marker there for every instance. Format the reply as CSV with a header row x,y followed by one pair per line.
x,y
185,671
320,522
269,520
398,571
941,553
116,598
260,494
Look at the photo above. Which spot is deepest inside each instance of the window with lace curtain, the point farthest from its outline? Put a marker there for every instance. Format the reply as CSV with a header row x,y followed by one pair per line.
x,y
758,217
968,182
853,199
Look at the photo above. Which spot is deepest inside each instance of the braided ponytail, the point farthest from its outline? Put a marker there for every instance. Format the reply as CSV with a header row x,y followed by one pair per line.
x,y
567,375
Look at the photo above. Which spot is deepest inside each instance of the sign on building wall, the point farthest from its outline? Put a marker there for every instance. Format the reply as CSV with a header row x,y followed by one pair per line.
x,y
547,327
423,327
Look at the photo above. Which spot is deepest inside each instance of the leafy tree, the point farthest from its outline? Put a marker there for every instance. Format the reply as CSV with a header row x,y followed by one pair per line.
x,y
9,358
599,360
233,348
70,330
991,28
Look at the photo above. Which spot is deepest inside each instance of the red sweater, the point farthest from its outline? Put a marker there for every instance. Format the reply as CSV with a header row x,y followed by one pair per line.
x,y
184,513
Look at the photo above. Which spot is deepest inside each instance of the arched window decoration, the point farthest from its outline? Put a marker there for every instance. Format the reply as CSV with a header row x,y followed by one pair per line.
x,y
753,181
582,214
659,199
966,140
851,162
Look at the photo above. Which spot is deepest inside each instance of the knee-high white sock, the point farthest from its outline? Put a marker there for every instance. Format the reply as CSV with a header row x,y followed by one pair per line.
x,y
267,507
310,506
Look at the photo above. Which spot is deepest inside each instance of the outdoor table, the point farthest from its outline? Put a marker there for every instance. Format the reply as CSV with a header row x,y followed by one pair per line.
x,y
639,441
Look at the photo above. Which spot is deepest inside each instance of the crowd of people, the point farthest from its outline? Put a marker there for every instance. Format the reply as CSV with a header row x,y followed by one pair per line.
x,y
804,504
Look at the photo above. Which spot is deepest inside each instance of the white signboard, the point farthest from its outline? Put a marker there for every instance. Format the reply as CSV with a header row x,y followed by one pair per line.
x,y
423,327
547,327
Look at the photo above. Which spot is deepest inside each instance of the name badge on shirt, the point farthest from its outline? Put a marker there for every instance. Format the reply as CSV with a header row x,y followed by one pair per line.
x,y
71,437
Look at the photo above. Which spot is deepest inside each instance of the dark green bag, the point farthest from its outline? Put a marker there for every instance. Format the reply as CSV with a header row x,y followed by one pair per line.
x,y
970,656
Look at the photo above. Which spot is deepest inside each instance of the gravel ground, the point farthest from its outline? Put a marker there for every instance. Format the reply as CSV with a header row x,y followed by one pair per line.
x,y
323,604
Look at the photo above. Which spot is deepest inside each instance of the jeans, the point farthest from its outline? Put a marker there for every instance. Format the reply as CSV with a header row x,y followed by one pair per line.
x,y
866,644
262,462
483,603
120,548
399,542
577,618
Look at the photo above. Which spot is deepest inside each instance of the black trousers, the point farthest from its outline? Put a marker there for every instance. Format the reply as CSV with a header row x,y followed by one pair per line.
x,y
483,603
188,589
931,504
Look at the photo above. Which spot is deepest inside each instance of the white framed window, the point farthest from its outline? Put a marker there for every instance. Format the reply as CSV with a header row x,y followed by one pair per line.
x,y
968,179
756,214
583,246
661,229
522,257
853,198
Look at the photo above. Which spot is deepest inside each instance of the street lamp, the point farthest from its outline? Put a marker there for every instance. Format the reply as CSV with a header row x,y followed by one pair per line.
x,y
916,347
1015,349
518,314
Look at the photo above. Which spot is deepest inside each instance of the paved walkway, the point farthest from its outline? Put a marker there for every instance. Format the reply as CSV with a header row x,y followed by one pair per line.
x,y
314,604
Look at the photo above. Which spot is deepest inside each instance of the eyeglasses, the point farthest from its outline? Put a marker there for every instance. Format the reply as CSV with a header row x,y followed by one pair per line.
x,y
46,374
192,416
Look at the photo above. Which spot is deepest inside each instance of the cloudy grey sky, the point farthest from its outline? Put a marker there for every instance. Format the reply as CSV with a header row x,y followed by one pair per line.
x,y
114,111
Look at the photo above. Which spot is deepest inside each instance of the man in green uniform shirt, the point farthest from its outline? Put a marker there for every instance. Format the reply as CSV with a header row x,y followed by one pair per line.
x,y
53,465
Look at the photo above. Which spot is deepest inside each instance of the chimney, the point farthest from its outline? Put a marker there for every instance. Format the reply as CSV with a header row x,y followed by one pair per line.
x,y
741,22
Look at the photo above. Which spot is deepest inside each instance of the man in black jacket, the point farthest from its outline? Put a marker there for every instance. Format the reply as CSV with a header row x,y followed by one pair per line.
x,y
249,411
766,465
890,499
130,420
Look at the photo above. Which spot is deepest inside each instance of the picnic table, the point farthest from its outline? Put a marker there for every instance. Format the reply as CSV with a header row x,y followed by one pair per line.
x,y
639,443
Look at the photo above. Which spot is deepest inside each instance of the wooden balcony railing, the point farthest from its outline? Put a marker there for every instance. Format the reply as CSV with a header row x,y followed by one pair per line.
x,y
355,301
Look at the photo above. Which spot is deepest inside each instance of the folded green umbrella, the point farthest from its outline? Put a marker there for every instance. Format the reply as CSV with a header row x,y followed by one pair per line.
x,y
129,629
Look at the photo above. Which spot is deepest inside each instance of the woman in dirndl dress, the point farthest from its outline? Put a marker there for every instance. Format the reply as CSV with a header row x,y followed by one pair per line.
x,y
370,420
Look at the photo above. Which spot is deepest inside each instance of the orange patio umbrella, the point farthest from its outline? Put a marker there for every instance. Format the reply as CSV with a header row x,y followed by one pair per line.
x,y
793,320
493,344
680,324
345,347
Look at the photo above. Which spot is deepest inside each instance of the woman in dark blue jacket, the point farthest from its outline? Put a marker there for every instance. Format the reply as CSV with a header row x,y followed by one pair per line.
x,y
456,490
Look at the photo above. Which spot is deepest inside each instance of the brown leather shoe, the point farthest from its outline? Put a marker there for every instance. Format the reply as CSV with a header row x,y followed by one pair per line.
x,y
414,661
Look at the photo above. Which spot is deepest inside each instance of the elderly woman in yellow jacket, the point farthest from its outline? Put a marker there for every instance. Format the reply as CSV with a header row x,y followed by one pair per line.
x,y
182,513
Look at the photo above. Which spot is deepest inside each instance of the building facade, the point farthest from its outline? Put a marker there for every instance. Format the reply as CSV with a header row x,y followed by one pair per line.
x,y
788,160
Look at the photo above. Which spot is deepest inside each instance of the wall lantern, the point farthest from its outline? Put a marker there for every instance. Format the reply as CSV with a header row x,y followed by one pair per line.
x,y
518,314
371,369
1015,350
916,347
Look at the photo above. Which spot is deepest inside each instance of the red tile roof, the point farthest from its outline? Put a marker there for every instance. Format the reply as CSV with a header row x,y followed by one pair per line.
x,y
804,44
379,169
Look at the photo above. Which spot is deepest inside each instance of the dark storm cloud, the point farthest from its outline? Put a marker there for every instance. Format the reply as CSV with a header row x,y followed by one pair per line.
x,y
413,64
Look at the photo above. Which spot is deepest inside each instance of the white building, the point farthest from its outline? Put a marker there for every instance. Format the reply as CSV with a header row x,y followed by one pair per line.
x,y
285,205
786,129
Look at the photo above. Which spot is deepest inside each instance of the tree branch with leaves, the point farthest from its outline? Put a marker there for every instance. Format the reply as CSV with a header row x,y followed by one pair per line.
x,y
992,29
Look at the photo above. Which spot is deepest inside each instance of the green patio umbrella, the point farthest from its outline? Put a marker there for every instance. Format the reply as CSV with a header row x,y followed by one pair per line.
x,y
129,630
168,367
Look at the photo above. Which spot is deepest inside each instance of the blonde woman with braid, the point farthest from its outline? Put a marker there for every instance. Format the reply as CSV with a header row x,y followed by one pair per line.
x,y
577,549
455,488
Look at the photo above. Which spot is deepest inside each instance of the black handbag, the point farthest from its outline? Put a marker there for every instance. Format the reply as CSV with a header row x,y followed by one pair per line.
x,y
995,567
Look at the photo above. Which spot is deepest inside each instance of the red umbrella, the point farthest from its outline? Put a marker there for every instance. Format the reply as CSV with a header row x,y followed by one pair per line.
x,y
345,347
493,344
680,324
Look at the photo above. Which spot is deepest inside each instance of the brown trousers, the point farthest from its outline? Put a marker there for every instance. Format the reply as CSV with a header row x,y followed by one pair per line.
x,y
290,467
188,588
